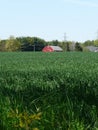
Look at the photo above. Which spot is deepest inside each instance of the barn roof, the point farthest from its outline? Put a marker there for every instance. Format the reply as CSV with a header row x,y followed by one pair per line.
x,y
56,48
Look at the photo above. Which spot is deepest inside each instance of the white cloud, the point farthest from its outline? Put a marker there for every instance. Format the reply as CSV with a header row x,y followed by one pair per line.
x,y
83,3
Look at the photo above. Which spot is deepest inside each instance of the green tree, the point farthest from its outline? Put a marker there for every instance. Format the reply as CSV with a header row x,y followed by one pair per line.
x,y
38,43
55,42
26,43
31,43
88,43
96,42
67,46
2,45
78,47
12,44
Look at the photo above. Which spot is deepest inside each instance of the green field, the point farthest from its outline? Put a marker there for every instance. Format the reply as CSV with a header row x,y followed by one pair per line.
x,y
48,91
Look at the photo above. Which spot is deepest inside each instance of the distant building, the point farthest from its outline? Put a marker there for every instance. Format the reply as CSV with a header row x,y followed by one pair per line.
x,y
92,48
52,49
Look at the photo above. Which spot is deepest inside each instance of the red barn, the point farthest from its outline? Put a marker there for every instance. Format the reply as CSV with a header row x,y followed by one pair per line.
x,y
52,49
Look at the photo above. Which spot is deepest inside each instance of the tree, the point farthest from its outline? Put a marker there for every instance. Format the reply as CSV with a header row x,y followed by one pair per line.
x,y
26,43
78,47
67,46
55,42
31,43
12,44
2,45
38,43
96,42
88,43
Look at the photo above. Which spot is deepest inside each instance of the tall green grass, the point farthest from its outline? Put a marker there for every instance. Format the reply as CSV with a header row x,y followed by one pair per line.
x,y
61,86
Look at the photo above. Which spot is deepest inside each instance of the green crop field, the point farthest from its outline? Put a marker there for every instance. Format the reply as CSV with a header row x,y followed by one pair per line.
x,y
48,91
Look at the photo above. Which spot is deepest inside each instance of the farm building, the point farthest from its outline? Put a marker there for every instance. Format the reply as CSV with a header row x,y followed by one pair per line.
x,y
52,49
92,48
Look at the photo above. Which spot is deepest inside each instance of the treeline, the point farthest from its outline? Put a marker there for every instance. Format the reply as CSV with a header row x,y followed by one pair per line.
x,y
37,44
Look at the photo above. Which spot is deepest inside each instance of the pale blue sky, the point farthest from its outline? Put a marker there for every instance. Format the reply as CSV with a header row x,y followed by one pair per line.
x,y
49,19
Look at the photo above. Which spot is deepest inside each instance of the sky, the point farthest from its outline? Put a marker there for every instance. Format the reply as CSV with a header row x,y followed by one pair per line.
x,y
74,20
